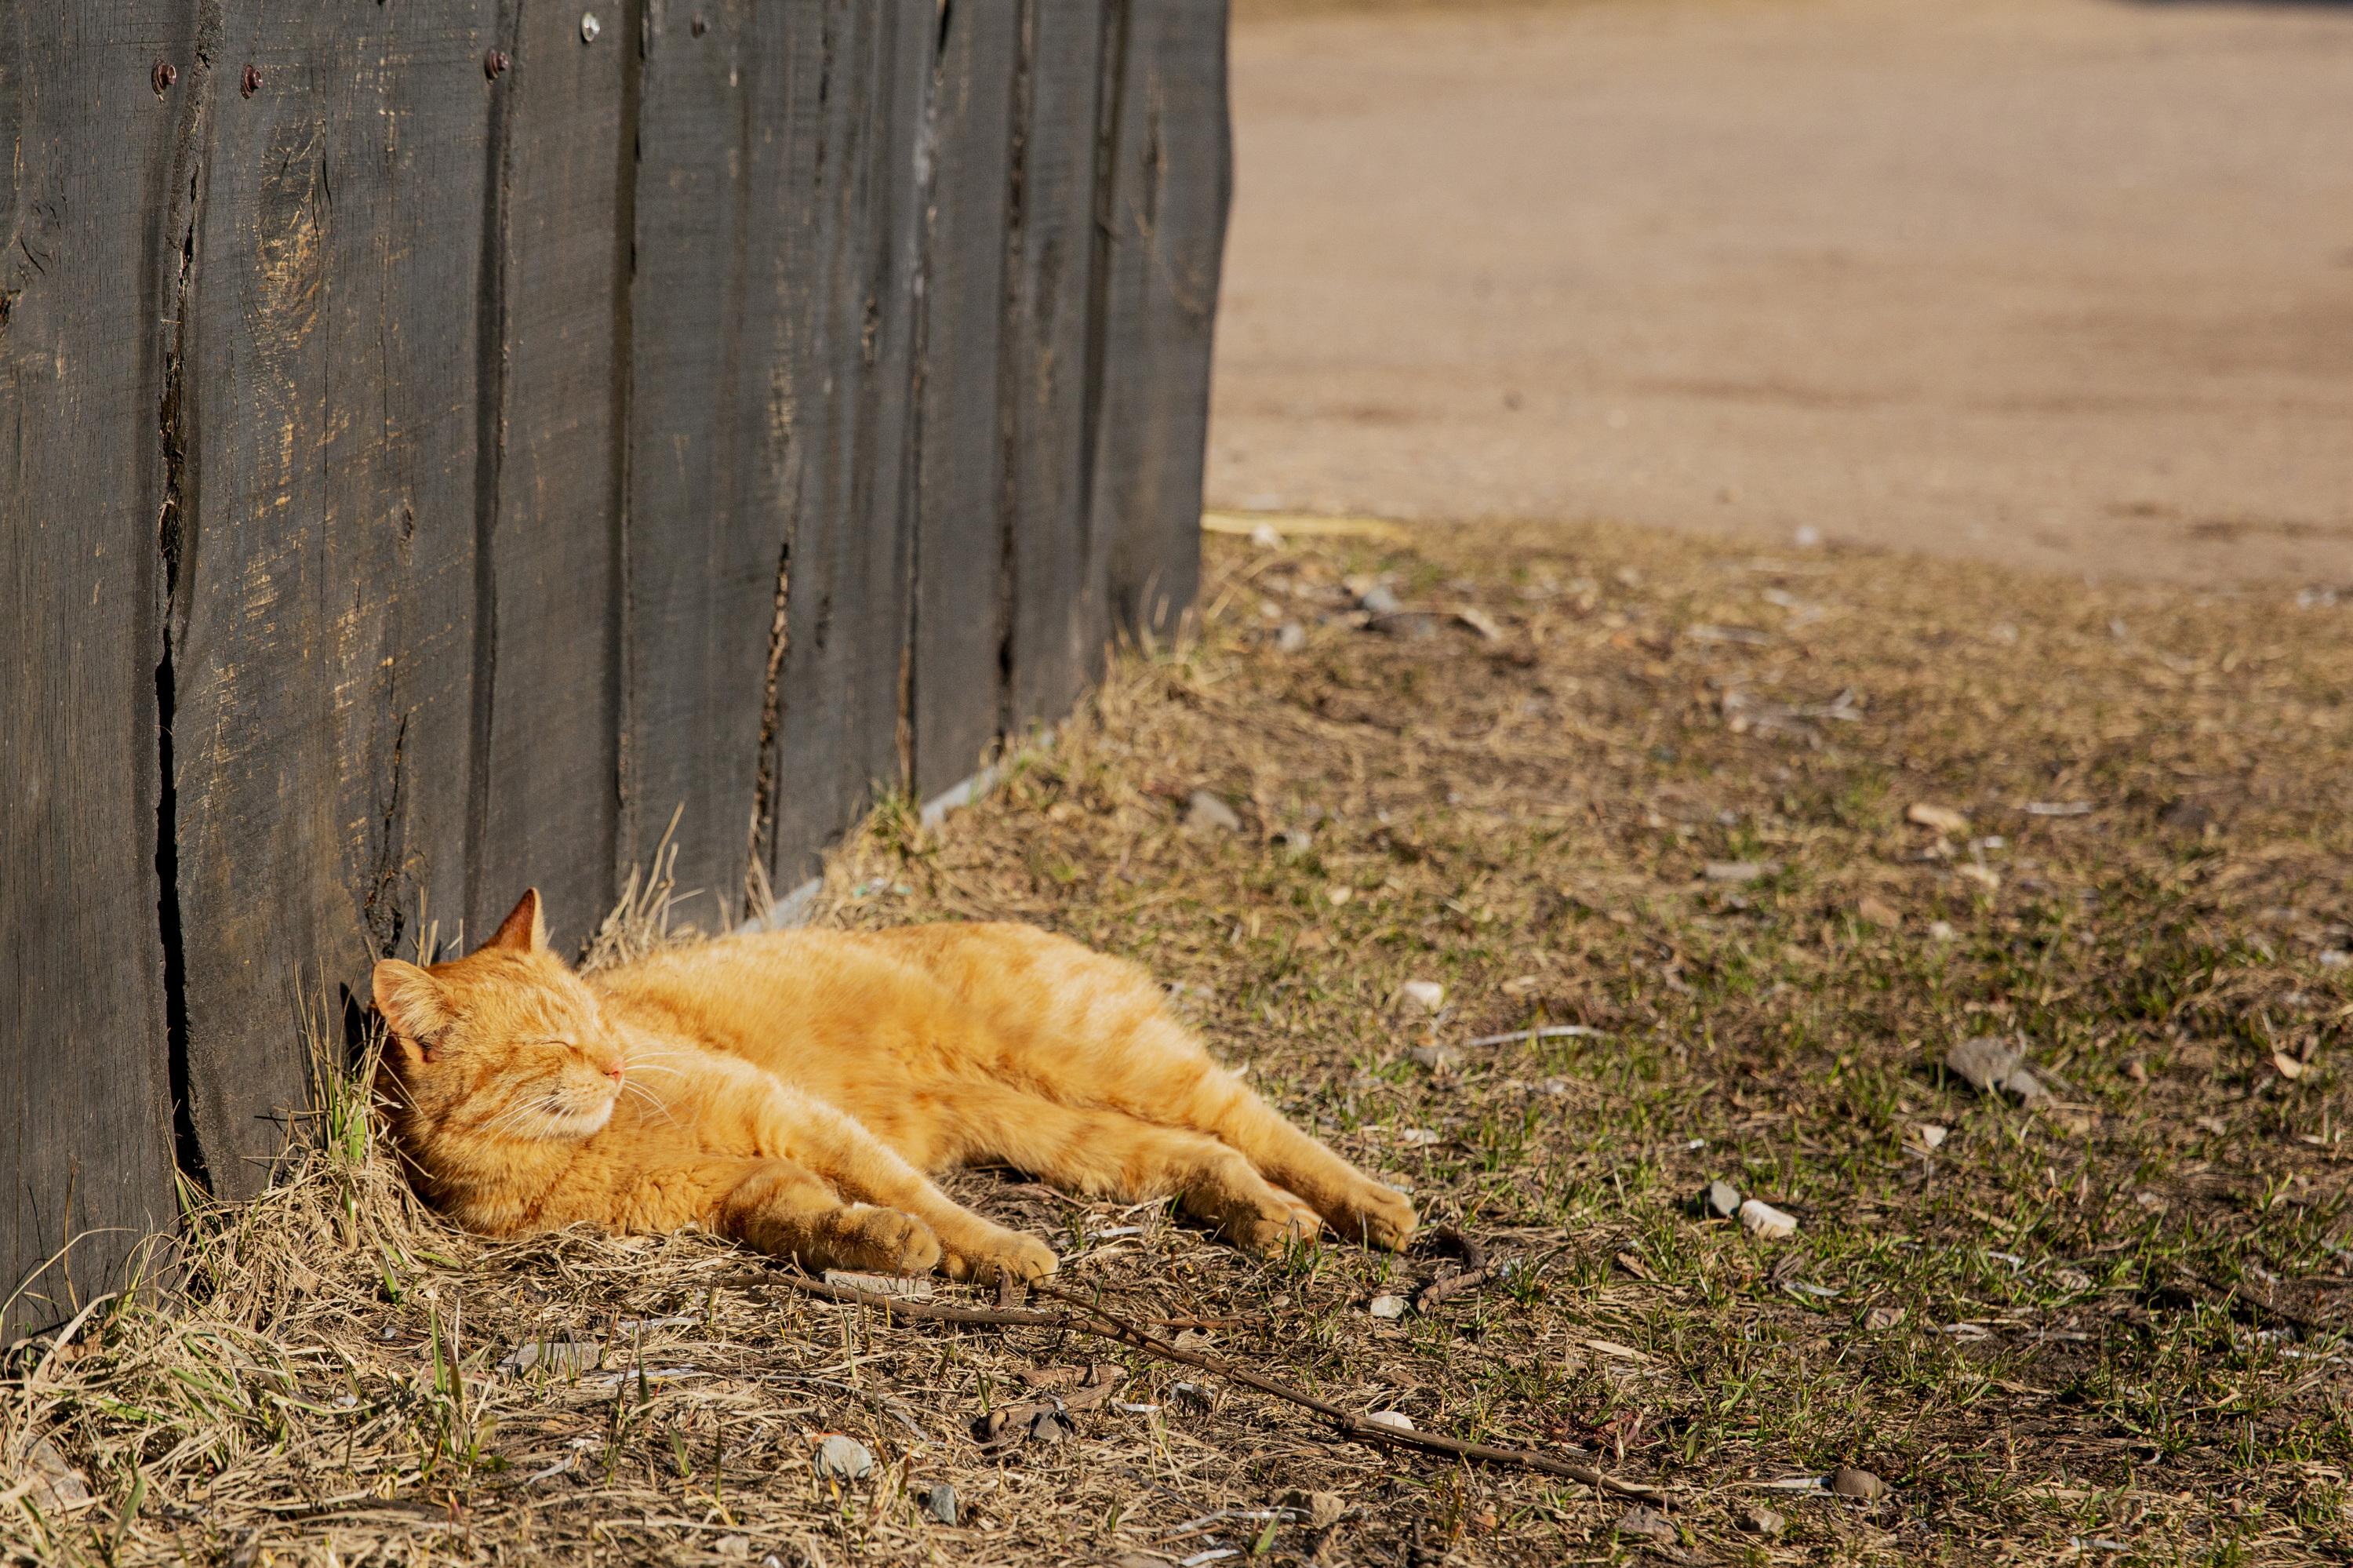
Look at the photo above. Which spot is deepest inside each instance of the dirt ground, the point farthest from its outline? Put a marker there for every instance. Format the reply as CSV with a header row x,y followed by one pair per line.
x,y
2061,283
1716,855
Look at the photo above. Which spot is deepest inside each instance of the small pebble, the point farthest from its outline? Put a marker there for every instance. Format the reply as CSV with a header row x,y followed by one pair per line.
x,y
1208,811
1941,931
1943,819
1766,1222
1378,600
1762,1522
1989,1067
1395,1420
1429,995
1481,622
52,1481
843,1459
1932,1136
1722,1200
939,1503
1289,637
1440,1059
1863,1484
1646,1523
1387,1306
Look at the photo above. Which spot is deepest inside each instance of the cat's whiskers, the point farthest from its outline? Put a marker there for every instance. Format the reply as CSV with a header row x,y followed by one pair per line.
x,y
515,1118
651,1098
508,1121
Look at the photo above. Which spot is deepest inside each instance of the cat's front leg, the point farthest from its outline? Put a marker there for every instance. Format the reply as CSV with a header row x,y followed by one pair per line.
x,y
861,1165
786,1212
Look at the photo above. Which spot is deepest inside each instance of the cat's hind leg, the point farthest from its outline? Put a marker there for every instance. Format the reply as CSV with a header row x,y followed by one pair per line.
x,y
1087,1029
1355,1204
1108,1154
1150,1065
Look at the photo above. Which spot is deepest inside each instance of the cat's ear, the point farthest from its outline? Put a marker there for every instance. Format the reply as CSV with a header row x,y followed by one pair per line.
x,y
414,1005
524,930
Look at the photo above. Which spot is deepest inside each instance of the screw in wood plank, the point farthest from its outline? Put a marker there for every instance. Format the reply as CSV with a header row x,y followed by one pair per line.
x,y
250,82
165,74
495,63
589,27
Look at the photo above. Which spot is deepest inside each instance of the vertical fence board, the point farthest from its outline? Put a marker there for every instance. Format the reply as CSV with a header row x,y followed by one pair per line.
x,y
1056,567
1170,158
960,592
550,774
702,549
324,601
747,407
85,1143
845,408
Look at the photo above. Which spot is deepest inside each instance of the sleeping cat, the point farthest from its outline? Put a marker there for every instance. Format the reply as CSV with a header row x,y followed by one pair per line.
x,y
790,1089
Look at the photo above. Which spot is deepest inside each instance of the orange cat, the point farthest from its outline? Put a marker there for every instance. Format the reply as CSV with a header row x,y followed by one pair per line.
x,y
790,1089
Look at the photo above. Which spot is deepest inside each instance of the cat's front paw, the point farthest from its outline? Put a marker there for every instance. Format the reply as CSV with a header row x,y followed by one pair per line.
x,y
986,1257
1274,1228
876,1240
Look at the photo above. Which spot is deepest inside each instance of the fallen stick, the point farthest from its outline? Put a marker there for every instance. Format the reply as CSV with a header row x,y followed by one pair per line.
x,y
1476,1271
1110,1326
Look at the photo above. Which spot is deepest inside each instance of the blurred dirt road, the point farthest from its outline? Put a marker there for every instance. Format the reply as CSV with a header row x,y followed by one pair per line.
x,y
2060,282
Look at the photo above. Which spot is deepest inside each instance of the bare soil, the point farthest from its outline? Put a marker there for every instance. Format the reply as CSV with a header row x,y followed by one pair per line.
x,y
2065,283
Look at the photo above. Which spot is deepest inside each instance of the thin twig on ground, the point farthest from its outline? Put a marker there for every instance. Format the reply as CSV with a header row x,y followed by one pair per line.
x,y
1109,1325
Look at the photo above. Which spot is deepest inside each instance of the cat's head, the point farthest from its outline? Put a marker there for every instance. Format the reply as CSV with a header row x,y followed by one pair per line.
x,y
504,1045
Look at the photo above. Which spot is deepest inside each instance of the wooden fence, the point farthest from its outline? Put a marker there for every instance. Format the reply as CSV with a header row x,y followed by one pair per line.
x,y
443,439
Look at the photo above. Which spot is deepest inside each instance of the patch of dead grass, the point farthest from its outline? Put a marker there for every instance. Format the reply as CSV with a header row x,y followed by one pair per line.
x,y
2111,1319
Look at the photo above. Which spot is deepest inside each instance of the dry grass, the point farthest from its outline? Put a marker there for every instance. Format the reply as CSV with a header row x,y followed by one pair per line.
x,y
2102,1328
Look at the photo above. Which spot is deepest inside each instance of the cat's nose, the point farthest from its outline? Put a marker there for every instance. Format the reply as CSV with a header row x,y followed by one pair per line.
x,y
615,1072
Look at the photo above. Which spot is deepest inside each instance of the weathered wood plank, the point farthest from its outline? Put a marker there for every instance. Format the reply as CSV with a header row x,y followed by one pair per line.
x,y
701,554
324,607
550,774
86,256
1057,566
854,108
1170,163
962,592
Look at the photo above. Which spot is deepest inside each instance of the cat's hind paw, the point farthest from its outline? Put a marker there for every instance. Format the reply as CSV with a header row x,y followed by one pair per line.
x,y
1376,1215
1000,1253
